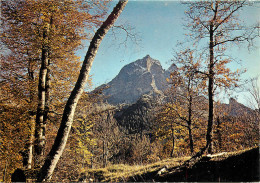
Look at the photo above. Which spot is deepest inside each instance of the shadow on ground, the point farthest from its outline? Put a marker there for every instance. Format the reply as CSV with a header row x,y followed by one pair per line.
x,y
237,168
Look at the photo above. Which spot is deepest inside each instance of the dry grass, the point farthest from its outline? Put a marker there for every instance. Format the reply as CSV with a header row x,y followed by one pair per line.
x,y
122,172
229,154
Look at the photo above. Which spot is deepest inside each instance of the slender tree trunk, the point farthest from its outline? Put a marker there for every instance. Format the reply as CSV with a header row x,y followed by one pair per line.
x,y
28,154
53,157
32,124
40,127
5,170
210,91
219,134
173,141
48,81
47,94
210,97
191,140
189,125
104,153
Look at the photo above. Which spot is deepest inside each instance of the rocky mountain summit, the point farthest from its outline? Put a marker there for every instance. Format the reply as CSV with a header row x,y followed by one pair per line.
x,y
144,76
237,109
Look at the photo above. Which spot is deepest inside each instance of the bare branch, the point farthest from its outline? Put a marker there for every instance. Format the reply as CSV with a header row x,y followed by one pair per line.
x,y
229,15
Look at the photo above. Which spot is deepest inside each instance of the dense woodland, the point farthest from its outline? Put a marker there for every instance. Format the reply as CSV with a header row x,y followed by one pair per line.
x,y
52,129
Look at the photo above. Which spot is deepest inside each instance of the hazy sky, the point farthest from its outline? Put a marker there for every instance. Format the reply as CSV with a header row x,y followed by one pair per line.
x,y
159,26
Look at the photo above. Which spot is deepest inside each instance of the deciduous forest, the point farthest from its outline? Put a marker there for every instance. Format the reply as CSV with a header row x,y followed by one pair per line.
x,y
148,123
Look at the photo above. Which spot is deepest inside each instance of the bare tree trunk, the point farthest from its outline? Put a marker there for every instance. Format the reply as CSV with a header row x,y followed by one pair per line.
x,y
104,153
210,91
173,141
40,127
5,170
53,157
27,160
211,97
29,154
189,125
219,135
191,140
47,94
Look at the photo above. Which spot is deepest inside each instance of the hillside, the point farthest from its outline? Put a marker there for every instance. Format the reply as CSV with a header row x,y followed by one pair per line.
x,y
222,167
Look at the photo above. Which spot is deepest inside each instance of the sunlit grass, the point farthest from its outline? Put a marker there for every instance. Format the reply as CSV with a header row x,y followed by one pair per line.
x,y
122,172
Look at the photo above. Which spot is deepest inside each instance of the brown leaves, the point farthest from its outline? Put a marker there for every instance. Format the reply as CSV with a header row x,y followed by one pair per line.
x,y
23,25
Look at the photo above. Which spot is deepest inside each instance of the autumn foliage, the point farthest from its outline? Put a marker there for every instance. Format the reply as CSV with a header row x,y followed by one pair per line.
x,y
30,31
39,68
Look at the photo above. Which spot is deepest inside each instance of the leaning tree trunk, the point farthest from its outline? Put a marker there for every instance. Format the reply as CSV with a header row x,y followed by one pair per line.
x,y
53,157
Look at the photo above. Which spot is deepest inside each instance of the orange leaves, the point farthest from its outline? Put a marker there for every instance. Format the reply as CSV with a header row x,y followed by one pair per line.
x,y
24,35
224,77
67,22
14,130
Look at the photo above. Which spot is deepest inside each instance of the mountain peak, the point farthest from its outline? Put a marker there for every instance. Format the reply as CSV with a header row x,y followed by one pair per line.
x,y
147,56
238,109
143,76
232,100
146,62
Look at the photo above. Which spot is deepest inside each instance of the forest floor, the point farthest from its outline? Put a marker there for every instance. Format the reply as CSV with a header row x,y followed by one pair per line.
x,y
221,167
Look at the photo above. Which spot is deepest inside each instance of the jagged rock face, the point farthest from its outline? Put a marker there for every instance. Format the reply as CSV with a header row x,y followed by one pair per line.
x,y
237,109
144,76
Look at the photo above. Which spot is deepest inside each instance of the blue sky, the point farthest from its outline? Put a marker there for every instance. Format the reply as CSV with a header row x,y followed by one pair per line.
x,y
159,25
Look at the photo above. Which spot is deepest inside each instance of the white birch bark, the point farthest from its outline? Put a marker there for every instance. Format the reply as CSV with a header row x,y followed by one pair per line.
x,y
53,157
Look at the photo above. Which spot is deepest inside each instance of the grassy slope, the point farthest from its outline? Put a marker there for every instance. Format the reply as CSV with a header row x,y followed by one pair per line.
x,y
121,172
230,166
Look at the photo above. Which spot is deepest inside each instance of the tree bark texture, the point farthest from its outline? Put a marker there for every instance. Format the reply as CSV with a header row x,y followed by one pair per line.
x,y
53,157
210,91
173,141
28,155
40,127
104,153
29,146
189,124
47,94
210,96
219,135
